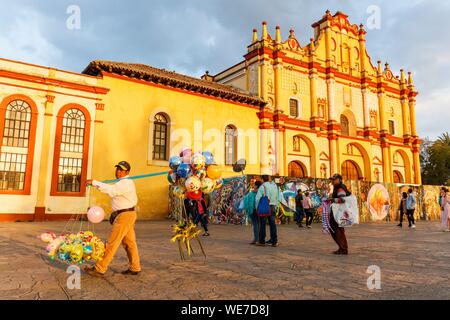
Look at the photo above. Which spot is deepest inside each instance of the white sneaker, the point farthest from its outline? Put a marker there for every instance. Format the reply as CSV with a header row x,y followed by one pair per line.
x,y
413,226
447,230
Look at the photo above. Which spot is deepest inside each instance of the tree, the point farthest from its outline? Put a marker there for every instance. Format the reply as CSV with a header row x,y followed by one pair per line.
x,y
435,158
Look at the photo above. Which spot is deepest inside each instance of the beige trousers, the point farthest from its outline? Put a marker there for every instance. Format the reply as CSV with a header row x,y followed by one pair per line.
x,y
122,233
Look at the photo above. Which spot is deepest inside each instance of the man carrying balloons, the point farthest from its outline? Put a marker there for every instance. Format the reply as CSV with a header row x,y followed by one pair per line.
x,y
123,200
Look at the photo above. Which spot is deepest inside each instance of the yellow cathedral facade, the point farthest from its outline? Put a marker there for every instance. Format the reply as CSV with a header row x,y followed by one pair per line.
x,y
288,109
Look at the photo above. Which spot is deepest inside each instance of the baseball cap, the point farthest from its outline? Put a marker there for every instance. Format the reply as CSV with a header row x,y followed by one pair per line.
x,y
336,176
123,165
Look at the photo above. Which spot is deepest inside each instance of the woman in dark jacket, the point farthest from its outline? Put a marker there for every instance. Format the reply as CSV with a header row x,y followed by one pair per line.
x,y
338,233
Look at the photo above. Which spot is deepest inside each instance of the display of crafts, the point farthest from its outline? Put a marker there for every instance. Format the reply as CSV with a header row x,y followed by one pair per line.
x,y
76,248
192,175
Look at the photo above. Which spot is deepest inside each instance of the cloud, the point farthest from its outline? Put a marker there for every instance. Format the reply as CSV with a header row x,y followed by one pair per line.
x,y
21,37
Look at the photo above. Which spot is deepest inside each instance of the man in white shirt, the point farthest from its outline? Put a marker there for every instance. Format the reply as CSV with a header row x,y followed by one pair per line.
x,y
123,200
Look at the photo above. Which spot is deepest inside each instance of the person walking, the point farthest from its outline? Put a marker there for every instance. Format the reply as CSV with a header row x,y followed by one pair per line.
x,y
445,209
411,207
338,233
402,209
269,189
250,210
299,210
123,200
307,205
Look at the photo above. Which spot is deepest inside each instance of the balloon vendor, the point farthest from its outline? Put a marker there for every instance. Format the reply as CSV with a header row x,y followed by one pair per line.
x,y
123,201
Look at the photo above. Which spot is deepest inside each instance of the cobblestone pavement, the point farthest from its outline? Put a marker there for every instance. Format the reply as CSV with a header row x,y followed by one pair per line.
x,y
414,264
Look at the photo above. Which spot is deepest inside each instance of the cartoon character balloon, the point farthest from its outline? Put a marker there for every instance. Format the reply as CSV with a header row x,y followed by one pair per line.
x,y
184,170
209,158
208,185
174,162
193,184
198,161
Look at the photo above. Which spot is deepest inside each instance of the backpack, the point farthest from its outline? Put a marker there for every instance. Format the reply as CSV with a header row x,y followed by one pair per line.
x,y
264,209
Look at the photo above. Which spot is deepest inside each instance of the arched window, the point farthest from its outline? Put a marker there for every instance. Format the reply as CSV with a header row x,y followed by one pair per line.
x,y
160,137
296,169
230,144
17,144
398,177
350,170
345,128
71,151
293,108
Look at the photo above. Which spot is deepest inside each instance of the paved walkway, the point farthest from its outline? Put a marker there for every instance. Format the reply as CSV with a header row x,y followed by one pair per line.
x,y
414,264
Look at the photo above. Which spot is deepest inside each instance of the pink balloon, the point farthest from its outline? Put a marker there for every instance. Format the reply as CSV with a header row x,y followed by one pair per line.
x,y
96,214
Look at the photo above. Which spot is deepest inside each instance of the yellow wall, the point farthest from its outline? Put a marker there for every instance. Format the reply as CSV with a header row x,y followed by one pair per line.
x,y
124,135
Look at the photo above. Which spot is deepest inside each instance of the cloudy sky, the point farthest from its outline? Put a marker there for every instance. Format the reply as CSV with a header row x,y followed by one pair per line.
x,y
193,36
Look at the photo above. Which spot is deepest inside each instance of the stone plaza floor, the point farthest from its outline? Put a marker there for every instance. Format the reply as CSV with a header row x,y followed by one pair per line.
x,y
414,264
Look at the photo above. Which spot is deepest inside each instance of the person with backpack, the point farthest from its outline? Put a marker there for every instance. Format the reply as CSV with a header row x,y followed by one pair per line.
x,y
307,205
402,209
267,201
411,207
299,210
250,210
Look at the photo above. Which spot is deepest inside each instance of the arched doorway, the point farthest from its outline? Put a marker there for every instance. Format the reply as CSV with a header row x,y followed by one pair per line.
x,y
350,170
398,177
296,169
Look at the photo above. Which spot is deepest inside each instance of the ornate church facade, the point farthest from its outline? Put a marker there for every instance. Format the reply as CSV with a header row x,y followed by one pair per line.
x,y
329,108
292,110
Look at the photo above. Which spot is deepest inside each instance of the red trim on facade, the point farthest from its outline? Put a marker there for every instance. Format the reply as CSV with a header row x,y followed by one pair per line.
x,y
51,91
31,140
143,82
48,68
57,153
52,82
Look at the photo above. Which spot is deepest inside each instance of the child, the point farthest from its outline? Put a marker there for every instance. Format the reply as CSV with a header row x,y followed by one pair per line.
x,y
196,209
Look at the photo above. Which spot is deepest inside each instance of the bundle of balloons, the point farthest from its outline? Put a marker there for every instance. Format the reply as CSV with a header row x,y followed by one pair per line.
x,y
76,248
193,174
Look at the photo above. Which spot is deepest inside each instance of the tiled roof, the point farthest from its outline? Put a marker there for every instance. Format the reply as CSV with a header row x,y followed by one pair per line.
x,y
173,79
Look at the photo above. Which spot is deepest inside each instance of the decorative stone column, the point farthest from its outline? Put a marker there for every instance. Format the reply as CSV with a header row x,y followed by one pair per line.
x,y
44,169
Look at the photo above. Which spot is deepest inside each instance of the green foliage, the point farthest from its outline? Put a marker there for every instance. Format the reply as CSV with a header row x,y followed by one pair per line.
x,y
435,159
